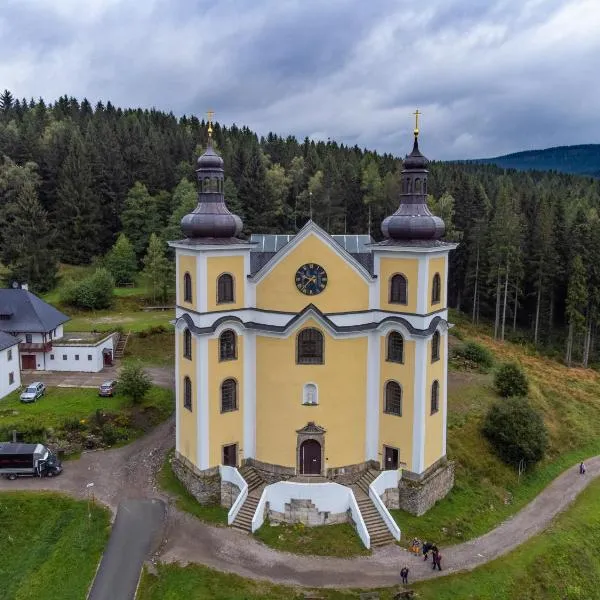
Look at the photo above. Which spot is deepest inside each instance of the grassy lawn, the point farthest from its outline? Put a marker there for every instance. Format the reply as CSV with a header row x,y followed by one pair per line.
x,y
487,491
217,515
73,418
559,563
327,540
128,320
156,349
50,548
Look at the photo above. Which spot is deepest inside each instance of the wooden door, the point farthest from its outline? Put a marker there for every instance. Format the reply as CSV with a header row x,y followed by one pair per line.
x,y
310,458
28,361
391,458
230,455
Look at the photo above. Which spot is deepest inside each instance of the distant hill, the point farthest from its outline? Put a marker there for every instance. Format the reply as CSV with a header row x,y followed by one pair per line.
x,y
577,160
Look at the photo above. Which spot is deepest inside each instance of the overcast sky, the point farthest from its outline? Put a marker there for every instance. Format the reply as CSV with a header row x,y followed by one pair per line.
x,y
490,76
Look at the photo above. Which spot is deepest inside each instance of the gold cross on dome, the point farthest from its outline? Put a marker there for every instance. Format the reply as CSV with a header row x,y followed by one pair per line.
x,y
210,114
417,114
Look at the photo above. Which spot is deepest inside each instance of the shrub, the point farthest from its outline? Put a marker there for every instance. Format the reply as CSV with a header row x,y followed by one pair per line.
x,y
516,431
510,380
476,356
134,382
91,293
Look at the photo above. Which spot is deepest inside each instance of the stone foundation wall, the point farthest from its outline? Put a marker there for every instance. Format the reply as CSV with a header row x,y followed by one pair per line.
x,y
304,511
348,475
391,498
418,494
205,486
229,493
270,473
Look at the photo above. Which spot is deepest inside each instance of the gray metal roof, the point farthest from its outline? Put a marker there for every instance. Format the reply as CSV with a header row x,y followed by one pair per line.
x,y
30,314
7,340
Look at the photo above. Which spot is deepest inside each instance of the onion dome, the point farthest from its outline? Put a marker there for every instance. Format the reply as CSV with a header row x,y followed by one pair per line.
x,y
211,218
413,219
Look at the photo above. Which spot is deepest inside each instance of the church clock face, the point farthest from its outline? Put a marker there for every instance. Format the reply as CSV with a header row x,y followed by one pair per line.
x,y
311,279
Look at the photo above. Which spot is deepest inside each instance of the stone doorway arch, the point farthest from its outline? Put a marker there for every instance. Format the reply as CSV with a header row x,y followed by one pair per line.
x,y
310,450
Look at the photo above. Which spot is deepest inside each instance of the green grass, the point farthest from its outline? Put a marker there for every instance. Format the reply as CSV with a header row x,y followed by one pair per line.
x,y
326,540
128,320
168,481
50,547
154,349
561,563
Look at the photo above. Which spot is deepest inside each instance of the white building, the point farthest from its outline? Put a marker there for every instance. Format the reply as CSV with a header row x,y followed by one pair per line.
x,y
10,375
42,344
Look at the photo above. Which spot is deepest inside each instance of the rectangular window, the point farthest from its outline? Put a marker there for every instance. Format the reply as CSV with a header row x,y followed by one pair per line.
x,y
89,357
9,354
64,357
28,338
230,455
11,378
52,357
77,357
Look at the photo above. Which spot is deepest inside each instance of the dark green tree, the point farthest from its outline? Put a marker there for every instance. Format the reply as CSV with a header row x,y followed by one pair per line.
x,y
121,261
134,382
139,217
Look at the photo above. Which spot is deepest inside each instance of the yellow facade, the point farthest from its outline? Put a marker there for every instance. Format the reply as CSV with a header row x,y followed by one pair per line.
x,y
394,431
225,428
341,410
434,423
216,266
187,264
437,265
409,267
187,419
346,289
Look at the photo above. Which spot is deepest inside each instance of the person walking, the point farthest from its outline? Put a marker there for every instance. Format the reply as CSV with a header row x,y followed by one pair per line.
x,y
582,468
437,559
404,575
426,549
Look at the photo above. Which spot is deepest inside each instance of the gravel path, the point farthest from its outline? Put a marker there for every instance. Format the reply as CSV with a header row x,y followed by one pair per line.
x,y
129,473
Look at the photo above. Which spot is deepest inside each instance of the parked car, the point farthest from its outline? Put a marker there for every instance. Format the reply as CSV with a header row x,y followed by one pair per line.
x,y
33,460
108,388
33,391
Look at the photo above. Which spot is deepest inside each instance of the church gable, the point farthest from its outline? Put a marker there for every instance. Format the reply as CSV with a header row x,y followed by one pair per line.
x,y
312,268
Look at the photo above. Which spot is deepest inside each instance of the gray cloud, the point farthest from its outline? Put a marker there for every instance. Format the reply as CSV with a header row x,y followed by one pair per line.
x,y
491,76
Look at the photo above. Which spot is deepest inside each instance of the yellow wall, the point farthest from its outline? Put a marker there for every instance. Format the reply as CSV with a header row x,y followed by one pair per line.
x,y
346,290
394,431
434,423
187,264
217,265
341,383
225,428
437,265
409,267
187,420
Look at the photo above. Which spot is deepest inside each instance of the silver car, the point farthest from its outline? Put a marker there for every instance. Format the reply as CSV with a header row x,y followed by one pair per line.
x,y
33,391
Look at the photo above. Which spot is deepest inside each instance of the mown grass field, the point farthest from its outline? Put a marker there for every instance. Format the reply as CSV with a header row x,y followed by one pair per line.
x,y
50,547
155,349
561,563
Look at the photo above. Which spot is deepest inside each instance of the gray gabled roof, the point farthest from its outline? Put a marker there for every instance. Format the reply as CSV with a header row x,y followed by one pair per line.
x,y
28,313
7,341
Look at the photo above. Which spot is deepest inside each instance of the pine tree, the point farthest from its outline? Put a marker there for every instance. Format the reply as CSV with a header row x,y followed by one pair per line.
x,y
6,101
121,261
372,189
577,298
139,217
157,269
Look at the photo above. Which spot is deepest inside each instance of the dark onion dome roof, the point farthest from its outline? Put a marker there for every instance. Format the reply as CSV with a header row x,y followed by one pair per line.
x,y
413,219
211,220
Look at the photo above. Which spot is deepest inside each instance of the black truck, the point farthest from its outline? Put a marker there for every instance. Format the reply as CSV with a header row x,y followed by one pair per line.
x,y
33,460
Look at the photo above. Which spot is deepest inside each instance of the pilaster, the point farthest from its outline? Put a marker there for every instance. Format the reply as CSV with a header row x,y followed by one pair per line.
x,y
418,447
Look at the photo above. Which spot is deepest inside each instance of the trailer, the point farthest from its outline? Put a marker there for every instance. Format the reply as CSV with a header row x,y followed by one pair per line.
x,y
28,460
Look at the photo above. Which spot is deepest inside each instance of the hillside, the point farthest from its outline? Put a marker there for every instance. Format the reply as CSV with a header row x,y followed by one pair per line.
x,y
576,160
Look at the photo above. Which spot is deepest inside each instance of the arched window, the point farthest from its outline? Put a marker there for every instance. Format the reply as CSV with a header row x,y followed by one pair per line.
x,y
229,395
187,393
225,288
435,396
418,185
435,347
409,182
309,347
187,344
393,398
436,287
398,289
425,185
395,347
310,394
228,345
187,288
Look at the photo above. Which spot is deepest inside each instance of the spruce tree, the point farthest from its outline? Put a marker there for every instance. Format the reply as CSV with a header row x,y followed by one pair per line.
x,y
157,269
139,217
577,298
121,261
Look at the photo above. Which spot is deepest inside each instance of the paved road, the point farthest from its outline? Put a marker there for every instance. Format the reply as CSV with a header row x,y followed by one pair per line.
x,y
136,533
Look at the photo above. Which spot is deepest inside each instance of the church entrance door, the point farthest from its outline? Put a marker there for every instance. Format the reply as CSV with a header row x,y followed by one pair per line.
x,y
310,458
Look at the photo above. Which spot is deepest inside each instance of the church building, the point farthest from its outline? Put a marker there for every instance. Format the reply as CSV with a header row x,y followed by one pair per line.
x,y
312,358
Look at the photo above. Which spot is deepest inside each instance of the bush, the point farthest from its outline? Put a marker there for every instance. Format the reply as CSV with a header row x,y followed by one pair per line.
x,y
134,382
476,356
510,380
516,431
92,293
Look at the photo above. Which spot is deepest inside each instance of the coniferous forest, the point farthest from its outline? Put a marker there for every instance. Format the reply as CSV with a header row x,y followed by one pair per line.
x,y
74,176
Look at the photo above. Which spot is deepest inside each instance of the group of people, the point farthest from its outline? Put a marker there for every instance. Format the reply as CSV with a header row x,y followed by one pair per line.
x,y
425,548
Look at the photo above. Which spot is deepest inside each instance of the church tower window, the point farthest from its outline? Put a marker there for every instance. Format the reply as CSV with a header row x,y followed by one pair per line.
x,y
187,288
393,398
225,289
187,344
228,345
398,289
435,347
229,395
435,397
395,347
309,347
436,288
187,393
